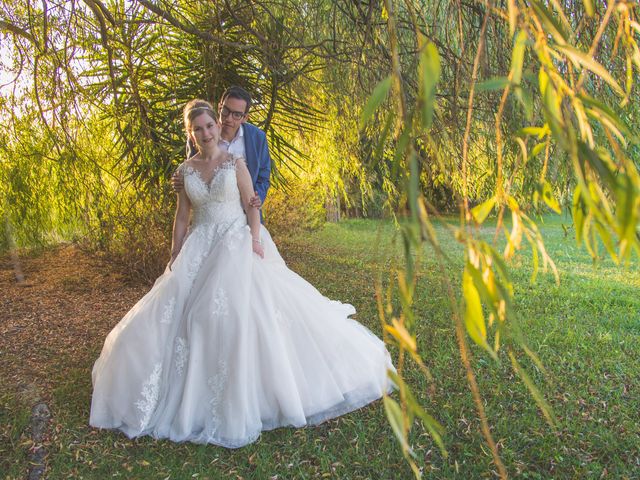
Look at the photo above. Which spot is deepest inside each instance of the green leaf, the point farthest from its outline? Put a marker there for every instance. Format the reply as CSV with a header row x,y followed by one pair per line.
x,y
588,7
607,241
523,150
543,80
635,55
473,315
396,420
409,242
607,124
546,409
536,263
481,287
526,100
429,74
401,334
629,78
589,237
538,147
495,83
626,214
480,212
499,265
431,424
436,430
552,112
377,154
603,110
577,212
538,131
547,196
600,163
517,57
553,27
402,143
414,184
588,62
401,147
377,97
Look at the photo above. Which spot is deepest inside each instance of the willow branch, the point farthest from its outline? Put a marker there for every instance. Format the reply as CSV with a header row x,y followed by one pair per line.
x,y
596,40
105,11
207,36
467,131
10,27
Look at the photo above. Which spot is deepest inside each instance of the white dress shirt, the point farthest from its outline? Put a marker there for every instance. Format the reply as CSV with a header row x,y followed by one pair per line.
x,y
236,145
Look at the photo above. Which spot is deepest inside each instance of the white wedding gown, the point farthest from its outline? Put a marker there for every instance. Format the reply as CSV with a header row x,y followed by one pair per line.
x,y
227,344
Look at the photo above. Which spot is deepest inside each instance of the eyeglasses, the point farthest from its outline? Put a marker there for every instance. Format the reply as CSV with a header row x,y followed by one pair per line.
x,y
225,112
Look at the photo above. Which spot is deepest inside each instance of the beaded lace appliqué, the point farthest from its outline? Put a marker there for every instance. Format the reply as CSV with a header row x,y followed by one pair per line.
x,y
181,350
193,266
167,312
232,238
229,164
220,303
219,188
150,392
216,384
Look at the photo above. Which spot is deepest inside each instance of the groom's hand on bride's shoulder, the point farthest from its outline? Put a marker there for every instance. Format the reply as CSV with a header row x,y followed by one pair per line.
x,y
177,182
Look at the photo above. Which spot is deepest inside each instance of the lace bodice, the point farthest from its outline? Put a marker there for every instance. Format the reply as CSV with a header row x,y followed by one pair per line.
x,y
217,201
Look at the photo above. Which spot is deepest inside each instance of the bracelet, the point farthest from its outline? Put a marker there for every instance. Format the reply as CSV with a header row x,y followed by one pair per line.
x,y
257,240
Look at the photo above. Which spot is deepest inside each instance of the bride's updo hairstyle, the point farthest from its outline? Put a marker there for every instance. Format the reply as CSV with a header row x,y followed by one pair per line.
x,y
194,109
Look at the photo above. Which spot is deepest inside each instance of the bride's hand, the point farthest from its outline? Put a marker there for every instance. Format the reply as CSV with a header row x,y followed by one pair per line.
x,y
172,259
257,247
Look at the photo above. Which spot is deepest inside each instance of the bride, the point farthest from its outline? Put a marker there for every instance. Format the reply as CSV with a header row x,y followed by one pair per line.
x,y
230,342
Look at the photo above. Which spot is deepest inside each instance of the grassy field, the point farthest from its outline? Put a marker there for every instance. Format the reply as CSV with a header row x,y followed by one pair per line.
x,y
585,331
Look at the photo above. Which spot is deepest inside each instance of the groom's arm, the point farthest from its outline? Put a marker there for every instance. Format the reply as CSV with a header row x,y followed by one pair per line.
x,y
264,167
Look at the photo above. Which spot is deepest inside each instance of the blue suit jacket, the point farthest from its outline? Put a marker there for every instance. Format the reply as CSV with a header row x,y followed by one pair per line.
x,y
258,158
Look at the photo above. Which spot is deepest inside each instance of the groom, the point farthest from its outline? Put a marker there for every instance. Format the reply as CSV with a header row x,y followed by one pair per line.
x,y
241,139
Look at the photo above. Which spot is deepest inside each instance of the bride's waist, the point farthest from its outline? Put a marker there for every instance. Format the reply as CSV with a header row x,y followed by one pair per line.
x,y
214,215
214,230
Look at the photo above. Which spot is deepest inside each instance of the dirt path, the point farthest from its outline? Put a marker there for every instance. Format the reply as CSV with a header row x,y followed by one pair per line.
x,y
69,301
52,322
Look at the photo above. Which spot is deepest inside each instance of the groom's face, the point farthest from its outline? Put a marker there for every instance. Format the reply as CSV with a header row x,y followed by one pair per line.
x,y
232,115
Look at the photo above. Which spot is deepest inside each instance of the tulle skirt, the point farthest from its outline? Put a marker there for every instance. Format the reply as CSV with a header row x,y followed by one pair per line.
x,y
226,345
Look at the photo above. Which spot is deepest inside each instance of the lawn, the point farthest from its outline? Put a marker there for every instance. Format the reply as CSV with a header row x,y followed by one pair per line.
x,y
585,331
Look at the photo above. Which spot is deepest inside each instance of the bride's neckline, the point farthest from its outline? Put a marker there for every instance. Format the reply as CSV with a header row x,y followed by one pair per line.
x,y
207,176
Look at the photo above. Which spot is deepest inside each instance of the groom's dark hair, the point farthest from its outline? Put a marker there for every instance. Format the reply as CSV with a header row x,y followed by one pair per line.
x,y
237,92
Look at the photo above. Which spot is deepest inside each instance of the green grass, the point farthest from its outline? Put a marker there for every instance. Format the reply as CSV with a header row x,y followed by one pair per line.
x,y
585,331
14,420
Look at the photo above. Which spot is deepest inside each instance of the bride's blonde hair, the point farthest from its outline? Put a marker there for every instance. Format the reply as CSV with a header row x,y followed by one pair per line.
x,y
195,108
